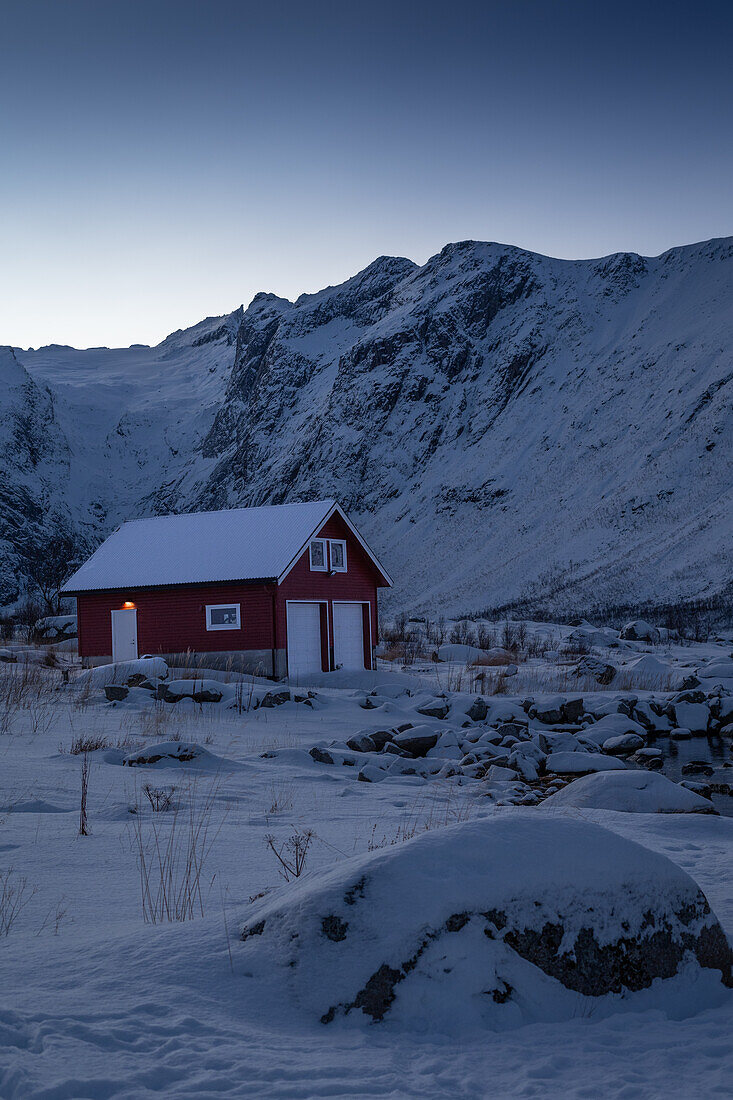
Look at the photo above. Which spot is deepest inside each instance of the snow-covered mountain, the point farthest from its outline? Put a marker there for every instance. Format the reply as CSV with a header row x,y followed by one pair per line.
x,y
500,423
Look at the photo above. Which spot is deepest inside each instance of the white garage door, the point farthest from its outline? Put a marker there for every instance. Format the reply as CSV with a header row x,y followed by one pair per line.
x,y
348,635
304,639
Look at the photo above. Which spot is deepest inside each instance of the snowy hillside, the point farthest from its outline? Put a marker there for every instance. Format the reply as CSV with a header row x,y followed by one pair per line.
x,y
500,423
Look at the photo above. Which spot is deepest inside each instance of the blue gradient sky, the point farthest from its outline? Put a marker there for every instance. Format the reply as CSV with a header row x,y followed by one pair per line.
x,y
165,161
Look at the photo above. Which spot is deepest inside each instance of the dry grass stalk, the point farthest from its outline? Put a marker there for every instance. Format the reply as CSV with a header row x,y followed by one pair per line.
x,y
14,896
24,687
171,859
87,742
83,818
436,810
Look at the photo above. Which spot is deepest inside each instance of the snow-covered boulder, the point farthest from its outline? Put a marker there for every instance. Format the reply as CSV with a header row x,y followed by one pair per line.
x,y
633,792
495,922
593,668
719,669
418,740
55,628
588,635
548,709
125,672
201,691
623,744
649,671
478,710
167,752
692,716
647,716
612,725
434,708
581,763
640,631
459,654
498,774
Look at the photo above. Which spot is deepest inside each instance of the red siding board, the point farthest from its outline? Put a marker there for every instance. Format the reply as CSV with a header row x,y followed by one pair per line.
x,y
173,620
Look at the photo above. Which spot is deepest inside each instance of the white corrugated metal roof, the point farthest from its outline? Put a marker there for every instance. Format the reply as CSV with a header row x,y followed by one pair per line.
x,y
237,544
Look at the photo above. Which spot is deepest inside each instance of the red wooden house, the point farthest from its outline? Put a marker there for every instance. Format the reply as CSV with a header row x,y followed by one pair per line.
x,y
287,589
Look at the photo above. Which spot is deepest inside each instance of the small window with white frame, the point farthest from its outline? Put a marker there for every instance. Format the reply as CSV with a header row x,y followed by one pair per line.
x,y
223,616
318,555
337,553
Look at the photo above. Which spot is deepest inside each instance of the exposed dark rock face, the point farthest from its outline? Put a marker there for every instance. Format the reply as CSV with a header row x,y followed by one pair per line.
x,y
585,966
631,962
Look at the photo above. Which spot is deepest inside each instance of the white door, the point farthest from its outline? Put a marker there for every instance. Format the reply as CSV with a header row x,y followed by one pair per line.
x,y
124,635
348,635
304,640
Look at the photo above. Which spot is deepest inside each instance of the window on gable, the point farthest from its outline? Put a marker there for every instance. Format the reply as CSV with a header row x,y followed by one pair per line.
x,y
337,549
318,555
223,616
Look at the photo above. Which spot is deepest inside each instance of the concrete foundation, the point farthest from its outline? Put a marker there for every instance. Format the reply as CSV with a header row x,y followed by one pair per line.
x,y
256,661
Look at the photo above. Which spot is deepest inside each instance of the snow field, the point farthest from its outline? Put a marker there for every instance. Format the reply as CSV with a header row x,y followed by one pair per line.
x,y
99,1003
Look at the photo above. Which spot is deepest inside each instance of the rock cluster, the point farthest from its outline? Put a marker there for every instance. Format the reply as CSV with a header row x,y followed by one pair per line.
x,y
526,750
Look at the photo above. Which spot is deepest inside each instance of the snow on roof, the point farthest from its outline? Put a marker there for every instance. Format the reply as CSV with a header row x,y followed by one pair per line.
x,y
233,545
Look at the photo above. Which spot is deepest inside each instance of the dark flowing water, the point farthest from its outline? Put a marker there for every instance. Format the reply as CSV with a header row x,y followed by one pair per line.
x,y
713,750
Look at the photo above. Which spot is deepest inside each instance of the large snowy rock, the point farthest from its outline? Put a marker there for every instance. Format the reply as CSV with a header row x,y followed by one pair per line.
x,y
594,669
201,691
612,725
167,752
495,922
649,672
692,716
123,672
581,763
55,627
588,635
637,792
460,654
719,669
640,631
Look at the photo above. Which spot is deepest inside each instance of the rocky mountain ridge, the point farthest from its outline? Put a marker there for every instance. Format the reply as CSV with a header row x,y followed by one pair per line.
x,y
501,424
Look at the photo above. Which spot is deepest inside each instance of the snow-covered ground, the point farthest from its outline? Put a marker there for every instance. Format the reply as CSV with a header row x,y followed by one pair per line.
x,y
98,1002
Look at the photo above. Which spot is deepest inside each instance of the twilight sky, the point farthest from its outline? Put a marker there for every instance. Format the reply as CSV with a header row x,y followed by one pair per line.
x,y
164,160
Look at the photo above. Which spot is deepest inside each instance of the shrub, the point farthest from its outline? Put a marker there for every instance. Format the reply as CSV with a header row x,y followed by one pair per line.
x,y
462,634
14,896
89,742
435,631
160,798
509,636
292,854
27,615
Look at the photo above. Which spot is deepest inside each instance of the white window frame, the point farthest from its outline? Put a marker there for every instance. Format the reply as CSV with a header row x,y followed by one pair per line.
x,y
318,568
221,607
337,568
